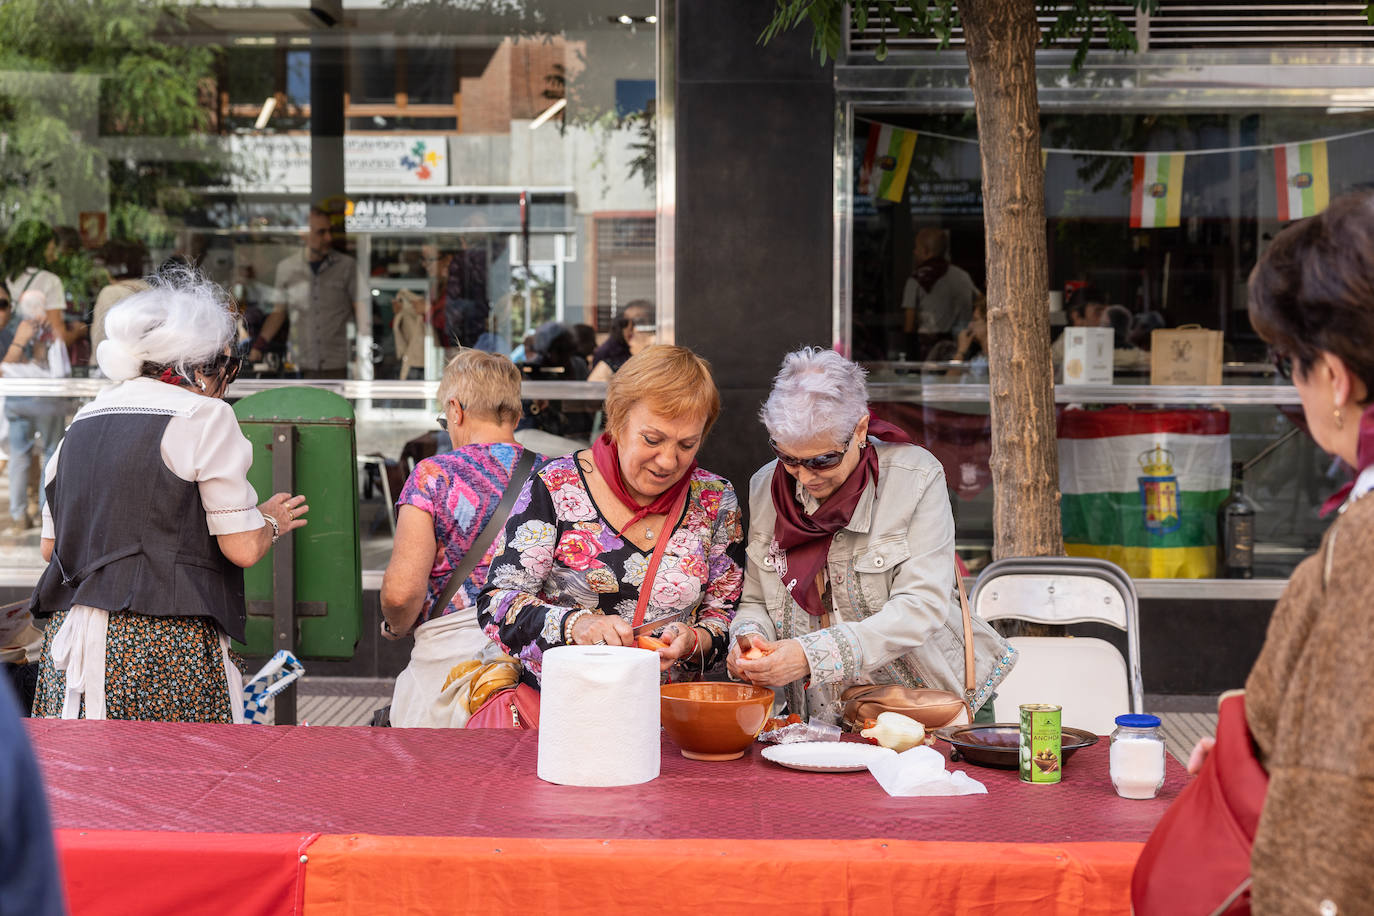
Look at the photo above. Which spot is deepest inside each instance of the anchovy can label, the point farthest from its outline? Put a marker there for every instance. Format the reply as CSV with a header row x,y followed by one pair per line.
x,y
1040,744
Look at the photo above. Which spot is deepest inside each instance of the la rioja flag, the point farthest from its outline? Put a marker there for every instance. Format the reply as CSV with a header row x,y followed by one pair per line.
x,y
1300,173
1156,190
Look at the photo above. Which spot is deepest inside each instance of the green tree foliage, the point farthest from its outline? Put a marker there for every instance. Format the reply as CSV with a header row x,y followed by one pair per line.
x,y
76,76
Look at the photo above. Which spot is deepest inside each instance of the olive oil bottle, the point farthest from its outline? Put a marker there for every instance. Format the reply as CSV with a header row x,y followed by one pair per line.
x,y
1236,530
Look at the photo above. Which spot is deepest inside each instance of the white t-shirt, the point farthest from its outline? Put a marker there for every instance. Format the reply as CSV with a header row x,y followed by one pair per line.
x,y
202,443
44,281
947,306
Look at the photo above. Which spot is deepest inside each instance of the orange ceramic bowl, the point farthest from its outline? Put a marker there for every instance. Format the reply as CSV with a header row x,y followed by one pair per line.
x,y
714,720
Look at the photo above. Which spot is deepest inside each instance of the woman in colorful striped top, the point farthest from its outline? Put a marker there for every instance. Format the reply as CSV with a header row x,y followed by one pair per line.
x,y
444,506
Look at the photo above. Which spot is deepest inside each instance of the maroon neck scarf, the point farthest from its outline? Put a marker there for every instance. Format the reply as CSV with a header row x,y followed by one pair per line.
x,y
805,539
607,457
929,272
1364,457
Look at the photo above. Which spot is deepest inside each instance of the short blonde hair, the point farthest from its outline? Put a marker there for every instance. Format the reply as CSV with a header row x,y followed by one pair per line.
x,y
673,381
486,383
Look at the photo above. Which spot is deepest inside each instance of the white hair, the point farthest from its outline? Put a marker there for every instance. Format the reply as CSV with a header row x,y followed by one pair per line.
x,y
182,320
816,393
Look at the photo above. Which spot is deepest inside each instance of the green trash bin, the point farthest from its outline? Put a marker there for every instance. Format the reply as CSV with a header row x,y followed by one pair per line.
x,y
303,442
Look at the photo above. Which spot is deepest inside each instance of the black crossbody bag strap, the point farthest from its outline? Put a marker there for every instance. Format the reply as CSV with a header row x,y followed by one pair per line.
x,y
518,475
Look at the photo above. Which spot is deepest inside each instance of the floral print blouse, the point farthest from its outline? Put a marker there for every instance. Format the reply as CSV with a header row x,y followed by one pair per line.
x,y
558,554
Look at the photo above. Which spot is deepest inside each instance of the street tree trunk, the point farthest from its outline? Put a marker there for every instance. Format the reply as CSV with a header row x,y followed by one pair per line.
x,y
1001,36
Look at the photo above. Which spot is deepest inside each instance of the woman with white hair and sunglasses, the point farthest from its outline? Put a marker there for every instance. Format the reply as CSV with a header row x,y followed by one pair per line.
x,y
851,576
150,520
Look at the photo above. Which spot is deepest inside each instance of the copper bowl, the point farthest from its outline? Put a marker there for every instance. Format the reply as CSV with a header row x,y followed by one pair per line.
x,y
714,720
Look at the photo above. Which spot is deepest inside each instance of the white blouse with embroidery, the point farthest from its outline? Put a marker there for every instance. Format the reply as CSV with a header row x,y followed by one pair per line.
x,y
202,443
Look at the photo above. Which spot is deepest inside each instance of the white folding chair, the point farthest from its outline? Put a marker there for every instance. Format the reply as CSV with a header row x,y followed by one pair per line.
x,y
1084,675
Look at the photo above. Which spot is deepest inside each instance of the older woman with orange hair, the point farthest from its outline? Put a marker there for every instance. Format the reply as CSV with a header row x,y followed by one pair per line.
x,y
577,553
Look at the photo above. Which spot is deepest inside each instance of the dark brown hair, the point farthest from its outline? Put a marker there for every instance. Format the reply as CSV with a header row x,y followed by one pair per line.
x,y
1313,288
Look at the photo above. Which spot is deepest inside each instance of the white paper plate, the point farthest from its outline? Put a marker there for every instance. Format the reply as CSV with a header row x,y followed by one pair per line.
x,y
825,756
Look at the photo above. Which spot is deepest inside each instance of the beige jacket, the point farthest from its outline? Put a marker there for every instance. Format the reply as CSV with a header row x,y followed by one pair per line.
x,y
1307,703
896,617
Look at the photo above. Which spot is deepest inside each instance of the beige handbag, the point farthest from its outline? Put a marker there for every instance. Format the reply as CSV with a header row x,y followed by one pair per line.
x,y
931,707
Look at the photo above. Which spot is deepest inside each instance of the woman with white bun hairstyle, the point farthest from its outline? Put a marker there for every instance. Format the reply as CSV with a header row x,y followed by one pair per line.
x,y
150,520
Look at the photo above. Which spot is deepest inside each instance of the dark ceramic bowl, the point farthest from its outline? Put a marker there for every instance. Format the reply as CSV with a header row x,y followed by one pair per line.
x,y
999,746
714,720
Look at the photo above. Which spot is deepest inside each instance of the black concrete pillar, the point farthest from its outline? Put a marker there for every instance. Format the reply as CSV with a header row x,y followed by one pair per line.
x,y
328,81
754,136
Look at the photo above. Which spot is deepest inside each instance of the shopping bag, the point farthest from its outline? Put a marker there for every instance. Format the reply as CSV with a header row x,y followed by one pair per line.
x,y
280,672
1197,860
1186,355
1141,488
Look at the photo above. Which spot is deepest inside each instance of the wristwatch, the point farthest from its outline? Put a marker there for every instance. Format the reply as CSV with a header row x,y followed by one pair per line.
x,y
276,528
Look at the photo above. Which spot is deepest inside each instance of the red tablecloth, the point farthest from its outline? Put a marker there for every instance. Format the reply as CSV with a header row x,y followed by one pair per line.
x,y
478,790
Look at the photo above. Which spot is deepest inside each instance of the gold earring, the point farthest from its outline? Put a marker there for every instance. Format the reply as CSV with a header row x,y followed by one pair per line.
x,y
1339,423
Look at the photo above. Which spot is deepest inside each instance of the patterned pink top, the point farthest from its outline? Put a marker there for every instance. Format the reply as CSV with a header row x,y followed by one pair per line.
x,y
460,489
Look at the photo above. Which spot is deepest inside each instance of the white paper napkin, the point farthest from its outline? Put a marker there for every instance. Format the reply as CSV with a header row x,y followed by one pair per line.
x,y
921,771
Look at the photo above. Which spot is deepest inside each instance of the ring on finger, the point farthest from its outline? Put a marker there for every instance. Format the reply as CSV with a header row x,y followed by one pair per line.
x,y
599,642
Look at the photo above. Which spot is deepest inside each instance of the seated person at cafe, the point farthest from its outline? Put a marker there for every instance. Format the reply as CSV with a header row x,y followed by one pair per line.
x,y
576,550
849,495
937,300
1084,310
1125,355
969,352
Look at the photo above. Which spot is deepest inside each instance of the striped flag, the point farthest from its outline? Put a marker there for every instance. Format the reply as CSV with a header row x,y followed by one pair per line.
x,y
887,158
1303,186
1141,488
1156,190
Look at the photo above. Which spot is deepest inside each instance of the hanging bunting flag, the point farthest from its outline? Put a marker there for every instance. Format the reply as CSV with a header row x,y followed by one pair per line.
x,y
1303,188
886,161
1157,190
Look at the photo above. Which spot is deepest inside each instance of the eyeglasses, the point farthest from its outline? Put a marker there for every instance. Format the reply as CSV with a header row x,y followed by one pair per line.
x,y
816,462
228,366
443,420
1283,364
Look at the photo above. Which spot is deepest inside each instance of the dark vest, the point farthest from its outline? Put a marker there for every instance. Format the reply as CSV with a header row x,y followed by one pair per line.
x,y
131,535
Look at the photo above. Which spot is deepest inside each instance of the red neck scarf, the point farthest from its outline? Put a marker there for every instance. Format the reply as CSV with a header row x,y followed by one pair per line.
x,y
1364,457
805,539
607,457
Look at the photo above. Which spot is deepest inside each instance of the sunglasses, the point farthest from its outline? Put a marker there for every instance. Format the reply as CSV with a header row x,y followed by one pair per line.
x,y
822,462
1283,364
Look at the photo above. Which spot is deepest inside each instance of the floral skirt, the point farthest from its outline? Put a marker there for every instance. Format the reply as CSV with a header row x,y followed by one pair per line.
x,y
162,669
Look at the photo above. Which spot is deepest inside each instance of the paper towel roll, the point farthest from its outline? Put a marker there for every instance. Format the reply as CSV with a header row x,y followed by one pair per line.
x,y
599,716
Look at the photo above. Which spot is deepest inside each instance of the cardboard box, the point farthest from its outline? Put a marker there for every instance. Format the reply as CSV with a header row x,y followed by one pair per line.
x,y
1088,356
1185,356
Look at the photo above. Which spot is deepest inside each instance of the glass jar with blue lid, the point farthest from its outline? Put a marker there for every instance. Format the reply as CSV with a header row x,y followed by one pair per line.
x,y
1137,757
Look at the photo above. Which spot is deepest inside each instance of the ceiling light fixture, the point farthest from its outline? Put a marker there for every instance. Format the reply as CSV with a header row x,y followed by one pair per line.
x,y
549,112
269,105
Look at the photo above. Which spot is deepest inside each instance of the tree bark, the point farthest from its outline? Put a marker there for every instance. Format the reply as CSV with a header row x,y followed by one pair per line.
x,y
1001,36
